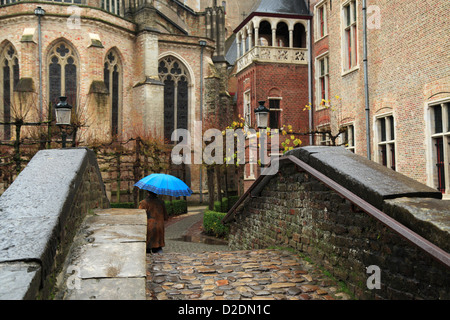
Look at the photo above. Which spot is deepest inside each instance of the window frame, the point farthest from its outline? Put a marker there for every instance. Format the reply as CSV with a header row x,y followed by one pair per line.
x,y
444,136
247,106
322,80
321,24
385,140
275,110
324,138
350,145
349,45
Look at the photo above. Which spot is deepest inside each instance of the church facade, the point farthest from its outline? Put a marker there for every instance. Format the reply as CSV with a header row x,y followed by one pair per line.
x,y
129,68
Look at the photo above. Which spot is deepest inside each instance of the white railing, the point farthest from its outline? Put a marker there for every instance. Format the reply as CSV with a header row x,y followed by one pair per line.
x,y
273,54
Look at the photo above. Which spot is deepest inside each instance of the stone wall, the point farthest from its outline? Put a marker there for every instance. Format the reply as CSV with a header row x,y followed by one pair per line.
x,y
296,210
39,216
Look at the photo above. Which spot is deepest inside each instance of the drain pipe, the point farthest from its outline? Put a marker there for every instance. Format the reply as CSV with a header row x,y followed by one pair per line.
x,y
202,44
366,79
310,94
39,12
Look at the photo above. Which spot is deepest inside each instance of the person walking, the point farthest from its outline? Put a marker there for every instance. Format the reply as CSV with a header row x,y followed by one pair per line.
x,y
156,215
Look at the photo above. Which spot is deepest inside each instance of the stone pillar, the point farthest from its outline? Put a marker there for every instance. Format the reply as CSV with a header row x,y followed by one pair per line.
x,y
149,91
274,37
256,37
238,46
291,38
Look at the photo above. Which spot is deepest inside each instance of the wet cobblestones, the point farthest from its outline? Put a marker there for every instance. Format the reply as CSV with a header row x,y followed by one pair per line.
x,y
195,270
237,275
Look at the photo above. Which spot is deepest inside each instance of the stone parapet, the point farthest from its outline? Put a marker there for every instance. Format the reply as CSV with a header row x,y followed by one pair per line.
x,y
294,209
39,215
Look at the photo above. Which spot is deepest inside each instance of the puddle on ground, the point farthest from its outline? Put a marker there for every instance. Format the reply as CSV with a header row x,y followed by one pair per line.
x,y
202,239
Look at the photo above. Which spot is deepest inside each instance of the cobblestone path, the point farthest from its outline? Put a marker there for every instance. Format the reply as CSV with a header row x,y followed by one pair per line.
x,y
189,270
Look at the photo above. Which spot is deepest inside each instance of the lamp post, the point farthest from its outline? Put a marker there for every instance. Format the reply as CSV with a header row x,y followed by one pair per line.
x,y
39,12
262,119
63,112
262,115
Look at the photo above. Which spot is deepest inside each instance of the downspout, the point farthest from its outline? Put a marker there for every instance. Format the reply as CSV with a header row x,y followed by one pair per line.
x,y
202,45
40,67
310,84
366,79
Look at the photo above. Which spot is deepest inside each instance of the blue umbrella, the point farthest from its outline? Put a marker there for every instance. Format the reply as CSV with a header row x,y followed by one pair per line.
x,y
166,184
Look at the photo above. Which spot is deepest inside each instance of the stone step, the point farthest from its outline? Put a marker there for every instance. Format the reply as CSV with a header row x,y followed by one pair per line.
x,y
107,260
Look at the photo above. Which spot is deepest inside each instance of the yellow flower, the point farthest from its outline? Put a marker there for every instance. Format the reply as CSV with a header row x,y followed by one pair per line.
x,y
337,97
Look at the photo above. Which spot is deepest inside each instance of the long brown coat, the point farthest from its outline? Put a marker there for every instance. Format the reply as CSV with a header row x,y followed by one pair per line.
x,y
156,215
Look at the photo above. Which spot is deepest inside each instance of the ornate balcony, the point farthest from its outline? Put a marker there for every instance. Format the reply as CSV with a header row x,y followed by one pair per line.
x,y
273,54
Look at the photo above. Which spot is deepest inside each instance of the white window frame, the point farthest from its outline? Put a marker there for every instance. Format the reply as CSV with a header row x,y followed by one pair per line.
x,y
431,137
327,140
321,5
247,109
354,63
350,128
391,158
325,56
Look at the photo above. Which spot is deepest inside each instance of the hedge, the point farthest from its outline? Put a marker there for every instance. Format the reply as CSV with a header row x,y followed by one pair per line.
x,y
227,204
128,205
213,226
174,207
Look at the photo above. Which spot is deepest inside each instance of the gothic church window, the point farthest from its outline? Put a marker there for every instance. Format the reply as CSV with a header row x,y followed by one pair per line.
x,y
112,76
174,75
63,74
9,77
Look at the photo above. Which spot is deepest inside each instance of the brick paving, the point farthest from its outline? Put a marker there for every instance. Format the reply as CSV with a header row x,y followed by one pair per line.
x,y
185,272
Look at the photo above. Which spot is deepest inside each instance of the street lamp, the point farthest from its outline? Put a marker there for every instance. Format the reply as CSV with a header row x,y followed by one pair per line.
x,y
262,119
262,115
63,112
39,12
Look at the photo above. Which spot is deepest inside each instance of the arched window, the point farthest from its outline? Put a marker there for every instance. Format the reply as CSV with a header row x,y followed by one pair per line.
x,y
174,75
112,73
9,77
282,35
299,36
62,74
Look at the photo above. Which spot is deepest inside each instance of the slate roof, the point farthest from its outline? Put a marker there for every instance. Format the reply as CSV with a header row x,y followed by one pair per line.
x,y
292,7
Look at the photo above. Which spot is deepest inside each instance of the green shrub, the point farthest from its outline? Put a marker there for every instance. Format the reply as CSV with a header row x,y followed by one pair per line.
x,y
128,205
231,201
176,207
212,224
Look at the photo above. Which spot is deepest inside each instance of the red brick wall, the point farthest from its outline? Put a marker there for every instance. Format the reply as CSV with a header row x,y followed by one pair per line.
x,y
291,81
408,62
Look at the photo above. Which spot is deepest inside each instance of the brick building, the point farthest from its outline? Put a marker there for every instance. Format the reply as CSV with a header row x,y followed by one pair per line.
x,y
271,65
408,119
133,67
